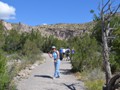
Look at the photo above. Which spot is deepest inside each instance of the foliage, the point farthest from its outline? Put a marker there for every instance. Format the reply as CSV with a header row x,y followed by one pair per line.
x,y
38,39
93,79
115,49
96,17
2,38
22,45
114,44
94,85
86,57
97,33
52,41
12,41
30,50
4,78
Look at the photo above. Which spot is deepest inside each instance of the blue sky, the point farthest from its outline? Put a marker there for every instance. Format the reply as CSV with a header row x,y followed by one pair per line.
x,y
37,12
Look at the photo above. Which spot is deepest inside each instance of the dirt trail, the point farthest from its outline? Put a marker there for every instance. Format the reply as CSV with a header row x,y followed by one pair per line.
x,y
41,78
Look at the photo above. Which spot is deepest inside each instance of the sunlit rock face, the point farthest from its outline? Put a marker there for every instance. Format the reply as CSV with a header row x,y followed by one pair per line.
x,y
61,31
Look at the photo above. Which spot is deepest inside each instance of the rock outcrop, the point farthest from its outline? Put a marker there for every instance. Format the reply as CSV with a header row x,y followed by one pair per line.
x,y
65,31
62,31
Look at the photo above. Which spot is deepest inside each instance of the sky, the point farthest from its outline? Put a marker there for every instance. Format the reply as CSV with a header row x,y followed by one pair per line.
x,y
38,12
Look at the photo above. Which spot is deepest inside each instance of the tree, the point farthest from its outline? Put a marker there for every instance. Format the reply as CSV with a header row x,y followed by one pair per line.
x,y
107,11
86,57
12,41
2,37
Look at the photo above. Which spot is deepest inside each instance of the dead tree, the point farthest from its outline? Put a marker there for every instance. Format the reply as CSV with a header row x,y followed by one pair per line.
x,y
107,11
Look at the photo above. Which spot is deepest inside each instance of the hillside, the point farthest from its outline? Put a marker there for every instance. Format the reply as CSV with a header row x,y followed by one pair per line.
x,y
62,31
65,31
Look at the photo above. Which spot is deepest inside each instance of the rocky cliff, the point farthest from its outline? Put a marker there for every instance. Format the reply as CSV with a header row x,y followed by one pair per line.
x,y
62,31
65,31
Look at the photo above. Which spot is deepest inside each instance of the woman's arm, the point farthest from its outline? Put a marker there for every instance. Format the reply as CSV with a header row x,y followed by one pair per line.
x,y
50,55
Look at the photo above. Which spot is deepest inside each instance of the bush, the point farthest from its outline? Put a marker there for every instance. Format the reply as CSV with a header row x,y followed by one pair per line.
x,y
94,85
85,57
30,50
115,51
12,41
2,38
4,77
93,79
52,41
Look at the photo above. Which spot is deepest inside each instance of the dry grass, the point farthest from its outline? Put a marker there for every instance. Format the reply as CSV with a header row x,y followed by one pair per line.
x,y
93,80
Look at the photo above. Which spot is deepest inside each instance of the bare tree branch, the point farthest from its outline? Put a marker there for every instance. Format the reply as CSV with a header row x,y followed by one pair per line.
x,y
106,10
116,10
113,12
106,4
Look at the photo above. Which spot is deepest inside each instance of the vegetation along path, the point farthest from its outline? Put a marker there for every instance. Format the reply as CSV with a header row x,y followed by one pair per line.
x,y
41,78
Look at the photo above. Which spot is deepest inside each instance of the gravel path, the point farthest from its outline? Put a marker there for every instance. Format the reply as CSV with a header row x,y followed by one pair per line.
x,y
41,78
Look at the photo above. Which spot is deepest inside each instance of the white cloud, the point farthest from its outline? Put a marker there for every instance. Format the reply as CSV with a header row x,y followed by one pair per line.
x,y
44,24
6,12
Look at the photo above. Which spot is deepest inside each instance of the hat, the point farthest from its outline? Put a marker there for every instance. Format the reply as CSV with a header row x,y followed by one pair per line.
x,y
53,47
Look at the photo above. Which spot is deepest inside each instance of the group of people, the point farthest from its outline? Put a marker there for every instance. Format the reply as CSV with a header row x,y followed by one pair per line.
x,y
65,54
58,56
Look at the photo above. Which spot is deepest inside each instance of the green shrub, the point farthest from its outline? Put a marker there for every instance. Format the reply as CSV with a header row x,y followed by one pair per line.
x,y
86,53
115,51
93,79
12,41
94,85
30,50
4,77
2,38
52,41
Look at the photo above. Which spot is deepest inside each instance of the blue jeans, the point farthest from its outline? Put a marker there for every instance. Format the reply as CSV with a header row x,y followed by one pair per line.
x,y
57,67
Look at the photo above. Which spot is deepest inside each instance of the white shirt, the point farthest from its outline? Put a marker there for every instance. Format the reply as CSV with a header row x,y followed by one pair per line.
x,y
64,50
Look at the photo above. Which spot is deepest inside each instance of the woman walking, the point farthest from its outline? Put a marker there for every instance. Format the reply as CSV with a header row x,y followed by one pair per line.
x,y
55,55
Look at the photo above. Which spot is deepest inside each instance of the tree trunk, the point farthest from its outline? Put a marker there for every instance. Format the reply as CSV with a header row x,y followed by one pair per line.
x,y
106,13
106,63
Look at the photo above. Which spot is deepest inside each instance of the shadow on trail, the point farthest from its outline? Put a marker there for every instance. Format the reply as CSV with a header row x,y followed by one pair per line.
x,y
43,76
71,86
65,71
